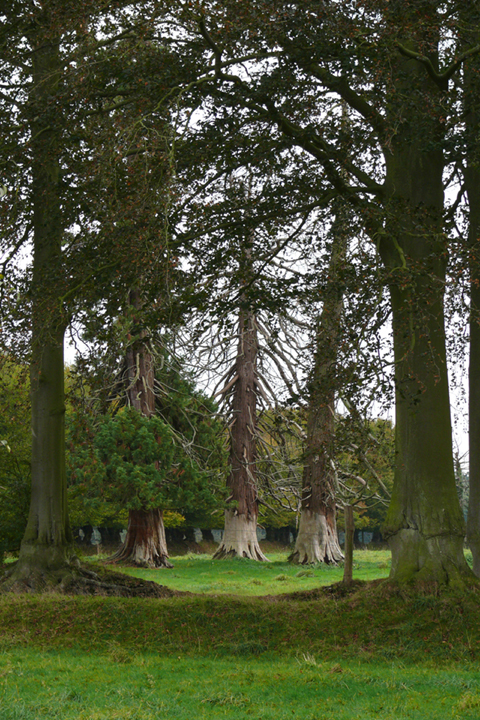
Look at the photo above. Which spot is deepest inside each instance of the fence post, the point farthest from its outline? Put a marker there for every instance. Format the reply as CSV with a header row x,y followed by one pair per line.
x,y
349,533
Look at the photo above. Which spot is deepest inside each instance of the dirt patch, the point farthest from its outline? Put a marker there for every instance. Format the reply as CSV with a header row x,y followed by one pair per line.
x,y
337,590
80,580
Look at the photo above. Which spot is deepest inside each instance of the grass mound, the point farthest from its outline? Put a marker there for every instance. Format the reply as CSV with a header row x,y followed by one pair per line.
x,y
371,650
85,580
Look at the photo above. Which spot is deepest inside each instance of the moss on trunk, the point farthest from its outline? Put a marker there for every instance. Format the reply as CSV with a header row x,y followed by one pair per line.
x,y
424,522
471,17
46,545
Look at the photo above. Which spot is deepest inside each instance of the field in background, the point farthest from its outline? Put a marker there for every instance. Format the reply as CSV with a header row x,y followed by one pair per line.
x,y
200,574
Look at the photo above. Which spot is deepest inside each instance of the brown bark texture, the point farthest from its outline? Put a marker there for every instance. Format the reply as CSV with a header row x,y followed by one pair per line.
x,y
140,372
240,536
145,543
317,539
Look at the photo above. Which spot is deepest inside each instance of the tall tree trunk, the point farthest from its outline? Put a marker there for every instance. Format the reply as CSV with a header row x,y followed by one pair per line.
x,y
317,539
424,523
240,534
472,182
145,543
46,545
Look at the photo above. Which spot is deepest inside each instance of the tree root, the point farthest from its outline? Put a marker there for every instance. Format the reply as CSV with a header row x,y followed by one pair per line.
x,y
75,579
130,558
251,553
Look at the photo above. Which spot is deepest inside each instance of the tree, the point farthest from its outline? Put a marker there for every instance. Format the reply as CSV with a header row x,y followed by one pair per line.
x,y
317,539
145,542
469,39
127,460
15,453
45,49
394,83
240,534
136,462
47,536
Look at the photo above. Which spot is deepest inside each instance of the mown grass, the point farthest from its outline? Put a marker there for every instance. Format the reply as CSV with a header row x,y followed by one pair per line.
x,y
201,574
373,653
72,685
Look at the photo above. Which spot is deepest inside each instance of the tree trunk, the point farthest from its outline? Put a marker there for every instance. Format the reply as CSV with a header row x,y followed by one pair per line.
x,y
472,183
240,535
145,543
317,539
47,543
140,373
424,523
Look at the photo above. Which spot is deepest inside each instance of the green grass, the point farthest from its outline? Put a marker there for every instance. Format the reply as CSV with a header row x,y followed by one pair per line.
x,y
72,685
375,653
201,574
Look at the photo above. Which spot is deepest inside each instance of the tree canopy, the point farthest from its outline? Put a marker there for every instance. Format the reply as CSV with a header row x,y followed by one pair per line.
x,y
148,146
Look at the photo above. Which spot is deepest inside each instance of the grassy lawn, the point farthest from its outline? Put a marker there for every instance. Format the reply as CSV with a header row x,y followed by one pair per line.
x,y
374,653
201,574
91,686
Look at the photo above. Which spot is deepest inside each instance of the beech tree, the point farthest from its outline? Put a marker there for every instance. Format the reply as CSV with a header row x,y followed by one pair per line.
x,y
47,538
43,114
469,40
383,60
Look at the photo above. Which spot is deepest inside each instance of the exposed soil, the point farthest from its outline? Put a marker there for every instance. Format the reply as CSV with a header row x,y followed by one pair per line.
x,y
80,580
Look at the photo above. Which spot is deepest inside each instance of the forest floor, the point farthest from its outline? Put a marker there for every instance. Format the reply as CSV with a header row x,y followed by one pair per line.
x,y
239,649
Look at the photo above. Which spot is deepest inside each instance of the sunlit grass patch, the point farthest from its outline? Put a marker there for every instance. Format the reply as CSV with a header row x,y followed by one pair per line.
x,y
200,573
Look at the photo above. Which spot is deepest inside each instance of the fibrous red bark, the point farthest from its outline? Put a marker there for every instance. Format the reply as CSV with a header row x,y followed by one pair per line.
x,y
317,539
145,543
240,535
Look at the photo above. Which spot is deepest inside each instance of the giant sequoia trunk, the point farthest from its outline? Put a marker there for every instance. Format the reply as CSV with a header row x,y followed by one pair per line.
x,y
240,534
46,545
145,543
472,182
424,523
317,539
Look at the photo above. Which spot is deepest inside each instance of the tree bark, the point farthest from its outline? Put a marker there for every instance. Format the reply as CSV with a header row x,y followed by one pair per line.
x,y
140,371
472,183
145,543
240,535
424,523
317,539
47,543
